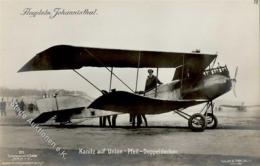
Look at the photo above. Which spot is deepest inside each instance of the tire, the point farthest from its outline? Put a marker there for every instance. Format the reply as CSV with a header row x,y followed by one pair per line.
x,y
197,122
212,121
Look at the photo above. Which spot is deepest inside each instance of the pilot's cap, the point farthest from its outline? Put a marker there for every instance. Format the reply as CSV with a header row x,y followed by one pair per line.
x,y
150,70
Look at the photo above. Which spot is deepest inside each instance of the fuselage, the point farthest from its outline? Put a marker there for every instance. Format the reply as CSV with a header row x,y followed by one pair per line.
x,y
207,86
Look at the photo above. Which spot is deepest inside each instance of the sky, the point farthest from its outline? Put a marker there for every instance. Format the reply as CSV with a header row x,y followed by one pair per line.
x,y
229,28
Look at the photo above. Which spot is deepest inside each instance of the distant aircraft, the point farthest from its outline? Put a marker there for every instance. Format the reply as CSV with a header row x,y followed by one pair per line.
x,y
195,81
240,106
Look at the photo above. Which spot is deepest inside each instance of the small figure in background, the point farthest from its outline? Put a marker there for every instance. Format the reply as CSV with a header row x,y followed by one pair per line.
x,y
3,107
22,105
30,107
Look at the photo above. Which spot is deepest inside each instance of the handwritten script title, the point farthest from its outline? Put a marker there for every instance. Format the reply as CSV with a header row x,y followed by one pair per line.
x,y
57,12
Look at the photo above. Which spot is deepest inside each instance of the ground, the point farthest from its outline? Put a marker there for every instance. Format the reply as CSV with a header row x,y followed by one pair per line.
x,y
234,142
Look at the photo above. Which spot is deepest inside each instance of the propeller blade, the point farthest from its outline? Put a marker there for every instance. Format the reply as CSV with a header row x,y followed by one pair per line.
x,y
234,91
236,71
234,80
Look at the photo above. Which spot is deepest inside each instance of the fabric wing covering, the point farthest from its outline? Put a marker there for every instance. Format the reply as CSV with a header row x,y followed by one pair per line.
x,y
126,102
62,57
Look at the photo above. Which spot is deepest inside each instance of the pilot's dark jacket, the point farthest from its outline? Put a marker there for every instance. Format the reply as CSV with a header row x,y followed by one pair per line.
x,y
151,82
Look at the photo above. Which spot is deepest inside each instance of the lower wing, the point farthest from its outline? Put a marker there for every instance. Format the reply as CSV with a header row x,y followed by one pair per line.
x,y
61,115
126,102
75,114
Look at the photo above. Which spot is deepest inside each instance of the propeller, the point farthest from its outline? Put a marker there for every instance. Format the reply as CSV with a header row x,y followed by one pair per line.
x,y
234,80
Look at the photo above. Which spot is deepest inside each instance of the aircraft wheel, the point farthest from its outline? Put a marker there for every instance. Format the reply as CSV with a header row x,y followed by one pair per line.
x,y
197,122
212,121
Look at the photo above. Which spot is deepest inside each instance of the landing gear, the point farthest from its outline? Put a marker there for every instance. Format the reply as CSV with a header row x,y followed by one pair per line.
x,y
200,121
212,121
197,122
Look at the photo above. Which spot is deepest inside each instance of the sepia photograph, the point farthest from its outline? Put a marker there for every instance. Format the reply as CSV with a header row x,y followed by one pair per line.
x,y
120,82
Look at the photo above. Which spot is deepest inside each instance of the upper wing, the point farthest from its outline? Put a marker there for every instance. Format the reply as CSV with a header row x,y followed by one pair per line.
x,y
126,102
69,57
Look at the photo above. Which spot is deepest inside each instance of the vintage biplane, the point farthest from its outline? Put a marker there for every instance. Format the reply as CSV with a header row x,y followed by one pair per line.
x,y
195,81
236,105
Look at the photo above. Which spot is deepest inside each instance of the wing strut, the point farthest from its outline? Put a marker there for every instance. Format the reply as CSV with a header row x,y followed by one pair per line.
x,y
110,82
88,81
99,61
157,75
137,72
182,72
